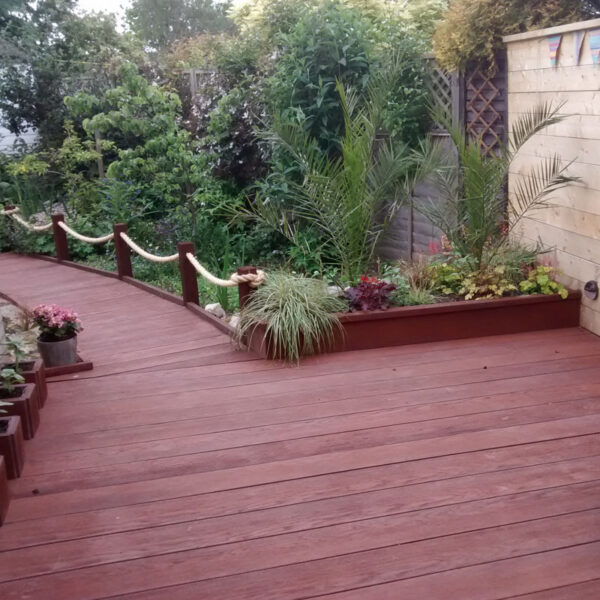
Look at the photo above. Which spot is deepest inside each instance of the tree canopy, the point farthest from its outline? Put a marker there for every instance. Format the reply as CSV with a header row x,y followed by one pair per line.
x,y
160,23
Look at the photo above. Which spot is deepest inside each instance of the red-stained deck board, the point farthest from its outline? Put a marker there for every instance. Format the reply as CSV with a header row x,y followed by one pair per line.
x,y
182,468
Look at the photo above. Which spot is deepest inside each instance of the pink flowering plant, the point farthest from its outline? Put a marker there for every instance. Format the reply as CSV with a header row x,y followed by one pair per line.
x,y
56,323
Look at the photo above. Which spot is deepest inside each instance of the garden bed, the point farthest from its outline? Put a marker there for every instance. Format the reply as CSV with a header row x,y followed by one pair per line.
x,y
445,321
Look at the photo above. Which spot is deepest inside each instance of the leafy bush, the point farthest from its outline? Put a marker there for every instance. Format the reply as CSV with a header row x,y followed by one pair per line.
x,y
540,281
370,294
298,313
144,123
472,30
488,282
328,45
350,200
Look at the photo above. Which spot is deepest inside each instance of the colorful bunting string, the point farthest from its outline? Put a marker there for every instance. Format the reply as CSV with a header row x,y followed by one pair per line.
x,y
595,45
554,47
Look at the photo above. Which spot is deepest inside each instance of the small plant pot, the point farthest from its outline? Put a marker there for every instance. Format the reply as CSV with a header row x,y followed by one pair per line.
x,y
33,371
12,447
4,493
59,353
24,404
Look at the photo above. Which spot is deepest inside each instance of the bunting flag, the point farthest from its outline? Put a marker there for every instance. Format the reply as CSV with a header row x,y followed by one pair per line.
x,y
595,45
579,37
554,47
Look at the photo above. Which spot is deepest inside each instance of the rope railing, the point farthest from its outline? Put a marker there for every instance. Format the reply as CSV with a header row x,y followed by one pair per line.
x,y
151,257
14,214
85,238
247,278
253,279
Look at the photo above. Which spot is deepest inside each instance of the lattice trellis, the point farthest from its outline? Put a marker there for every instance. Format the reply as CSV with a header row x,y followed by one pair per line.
x,y
440,87
485,102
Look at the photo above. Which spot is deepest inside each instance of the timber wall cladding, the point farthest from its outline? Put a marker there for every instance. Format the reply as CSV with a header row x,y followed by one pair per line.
x,y
571,225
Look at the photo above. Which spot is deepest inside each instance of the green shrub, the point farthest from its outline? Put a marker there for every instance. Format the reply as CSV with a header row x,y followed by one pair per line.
x,y
298,313
472,30
540,281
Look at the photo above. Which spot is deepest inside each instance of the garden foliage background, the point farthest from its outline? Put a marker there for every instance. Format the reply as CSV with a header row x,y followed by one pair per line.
x,y
121,139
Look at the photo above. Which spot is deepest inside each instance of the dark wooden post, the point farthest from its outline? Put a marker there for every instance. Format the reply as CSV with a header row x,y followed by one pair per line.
x,y
122,251
60,237
244,289
189,277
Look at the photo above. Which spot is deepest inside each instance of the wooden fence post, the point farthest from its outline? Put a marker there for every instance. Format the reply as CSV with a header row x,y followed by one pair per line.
x,y
60,237
122,251
189,277
244,289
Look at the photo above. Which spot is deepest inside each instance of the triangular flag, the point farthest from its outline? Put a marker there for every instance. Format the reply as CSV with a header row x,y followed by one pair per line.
x,y
595,45
554,47
579,37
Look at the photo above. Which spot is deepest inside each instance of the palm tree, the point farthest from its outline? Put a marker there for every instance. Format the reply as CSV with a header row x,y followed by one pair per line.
x,y
351,197
473,211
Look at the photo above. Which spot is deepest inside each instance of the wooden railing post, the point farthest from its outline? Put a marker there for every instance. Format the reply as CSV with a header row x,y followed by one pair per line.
x,y
60,237
122,251
189,277
244,289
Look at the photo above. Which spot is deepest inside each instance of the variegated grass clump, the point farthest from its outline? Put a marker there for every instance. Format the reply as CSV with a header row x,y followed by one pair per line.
x,y
298,312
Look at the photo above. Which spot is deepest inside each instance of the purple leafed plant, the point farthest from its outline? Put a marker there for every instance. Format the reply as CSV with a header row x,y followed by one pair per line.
x,y
370,294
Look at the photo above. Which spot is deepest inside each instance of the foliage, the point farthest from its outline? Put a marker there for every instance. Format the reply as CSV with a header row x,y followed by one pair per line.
x,y
9,379
143,122
298,313
472,212
56,323
472,30
327,46
486,282
370,294
48,50
17,351
348,200
160,23
540,281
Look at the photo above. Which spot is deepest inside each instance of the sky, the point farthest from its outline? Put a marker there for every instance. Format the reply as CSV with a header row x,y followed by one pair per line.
x,y
111,6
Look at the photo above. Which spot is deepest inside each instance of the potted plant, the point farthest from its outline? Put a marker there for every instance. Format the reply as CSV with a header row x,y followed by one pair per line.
x,y
11,450
32,370
21,400
57,342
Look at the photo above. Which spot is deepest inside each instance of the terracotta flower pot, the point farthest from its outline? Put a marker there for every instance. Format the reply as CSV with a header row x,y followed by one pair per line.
x,y
24,403
59,353
4,493
11,445
33,371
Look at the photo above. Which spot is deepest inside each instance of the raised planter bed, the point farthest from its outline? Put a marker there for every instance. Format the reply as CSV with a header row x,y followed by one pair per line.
x,y
25,404
4,492
444,321
12,447
34,372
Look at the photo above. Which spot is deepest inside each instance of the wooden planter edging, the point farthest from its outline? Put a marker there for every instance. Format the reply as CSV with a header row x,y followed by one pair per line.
x,y
4,493
12,446
27,407
445,321
33,372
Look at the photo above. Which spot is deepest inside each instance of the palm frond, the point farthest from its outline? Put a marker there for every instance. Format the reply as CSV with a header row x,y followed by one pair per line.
x,y
533,190
532,122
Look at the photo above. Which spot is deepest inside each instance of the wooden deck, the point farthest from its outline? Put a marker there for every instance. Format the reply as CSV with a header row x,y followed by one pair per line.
x,y
181,469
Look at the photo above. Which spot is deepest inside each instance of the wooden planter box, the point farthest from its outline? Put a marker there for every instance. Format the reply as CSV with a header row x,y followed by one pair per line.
x,y
444,321
26,406
4,493
12,447
34,372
